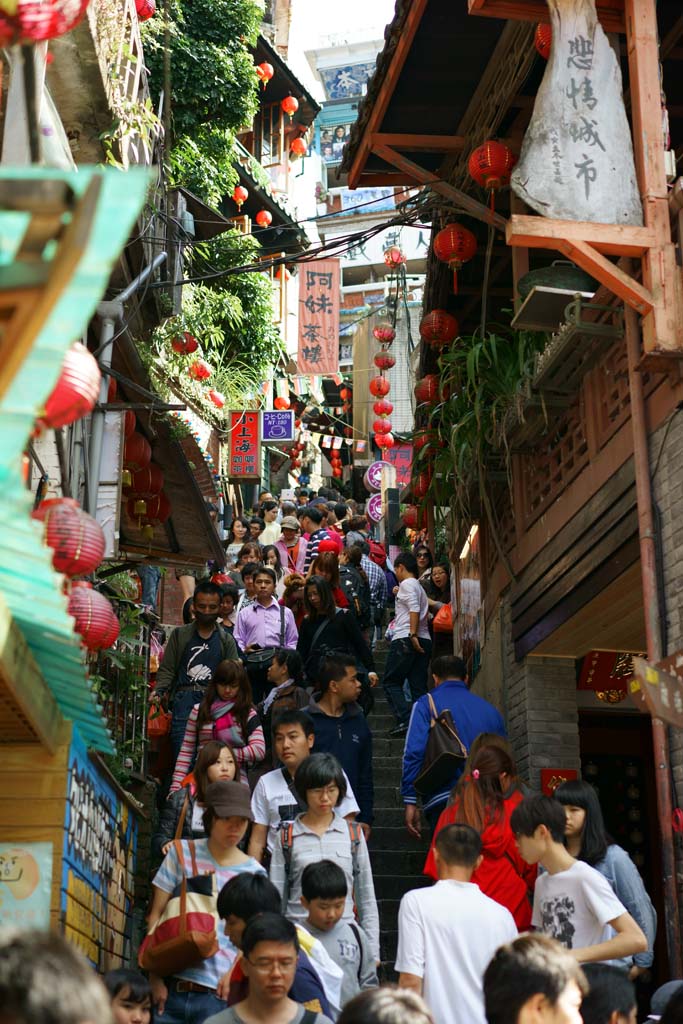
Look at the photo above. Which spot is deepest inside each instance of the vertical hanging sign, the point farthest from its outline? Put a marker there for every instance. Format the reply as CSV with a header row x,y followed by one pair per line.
x,y
245,437
319,318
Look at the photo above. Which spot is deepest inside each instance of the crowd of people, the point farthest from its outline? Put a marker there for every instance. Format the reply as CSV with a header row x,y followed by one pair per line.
x,y
268,811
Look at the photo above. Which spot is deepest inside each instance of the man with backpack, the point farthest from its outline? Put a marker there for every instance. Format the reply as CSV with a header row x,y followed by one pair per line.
x,y
192,655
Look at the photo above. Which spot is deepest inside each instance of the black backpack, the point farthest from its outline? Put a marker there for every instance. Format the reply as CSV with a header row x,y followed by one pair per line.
x,y
357,594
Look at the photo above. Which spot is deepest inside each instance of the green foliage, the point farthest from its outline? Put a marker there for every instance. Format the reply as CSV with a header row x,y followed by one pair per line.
x,y
203,163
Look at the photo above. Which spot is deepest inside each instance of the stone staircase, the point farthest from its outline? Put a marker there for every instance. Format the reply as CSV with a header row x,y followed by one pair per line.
x,y
397,858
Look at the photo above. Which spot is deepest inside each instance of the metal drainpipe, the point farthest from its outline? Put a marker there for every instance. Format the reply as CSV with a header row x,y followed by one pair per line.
x,y
110,312
653,631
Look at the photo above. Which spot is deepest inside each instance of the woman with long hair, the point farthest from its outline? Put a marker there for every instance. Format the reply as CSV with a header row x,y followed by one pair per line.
x,y
479,801
328,628
587,839
238,533
270,555
293,596
425,561
326,564
215,763
226,713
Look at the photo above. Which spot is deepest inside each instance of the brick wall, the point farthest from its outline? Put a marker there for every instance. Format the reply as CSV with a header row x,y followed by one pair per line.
x,y
171,599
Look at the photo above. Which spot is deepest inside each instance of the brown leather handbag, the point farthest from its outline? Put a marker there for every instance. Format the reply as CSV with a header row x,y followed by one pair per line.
x,y
444,754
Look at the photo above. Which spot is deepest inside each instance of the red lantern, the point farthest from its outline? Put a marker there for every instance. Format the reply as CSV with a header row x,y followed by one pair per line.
x,y
384,440
379,386
146,9
298,146
191,343
384,361
112,635
427,389
411,517
240,195
158,507
491,165
281,403
264,219
200,370
421,484
382,426
383,408
543,39
75,537
32,21
439,328
137,453
217,398
264,72
384,335
345,394
148,482
295,463
112,390
94,617
76,391
129,422
337,472
178,345
290,105
282,274
348,431
394,257
455,245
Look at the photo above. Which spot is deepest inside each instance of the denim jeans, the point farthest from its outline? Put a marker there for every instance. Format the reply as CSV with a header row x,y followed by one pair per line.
x,y
405,663
150,577
183,702
189,1007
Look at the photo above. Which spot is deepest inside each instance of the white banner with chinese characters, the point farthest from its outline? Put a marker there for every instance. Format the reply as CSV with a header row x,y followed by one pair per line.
x,y
319,318
577,157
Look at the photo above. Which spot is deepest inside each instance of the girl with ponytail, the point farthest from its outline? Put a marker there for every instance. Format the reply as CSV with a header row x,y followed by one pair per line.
x,y
481,800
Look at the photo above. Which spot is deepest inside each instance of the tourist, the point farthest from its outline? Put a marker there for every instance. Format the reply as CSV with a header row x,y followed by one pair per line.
x,y
586,839
438,591
611,998
237,534
240,900
261,628
225,713
471,716
534,980
386,1005
326,564
573,902
425,561
291,545
320,833
355,530
271,531
480,801
230,596
324,890
189,996
131,996
248,595
411,645
293,597
311,519
286,680
327,628
270,950
256,528
248,553
215,763
448,933
271,557
192,655
342,729
275,801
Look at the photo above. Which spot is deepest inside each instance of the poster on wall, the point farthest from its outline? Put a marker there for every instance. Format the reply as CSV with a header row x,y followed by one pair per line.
x,y
98,866
25,883
245,440
319,318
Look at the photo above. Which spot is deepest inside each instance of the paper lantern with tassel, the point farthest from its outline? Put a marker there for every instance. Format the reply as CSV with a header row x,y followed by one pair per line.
x,y
455,245
76,391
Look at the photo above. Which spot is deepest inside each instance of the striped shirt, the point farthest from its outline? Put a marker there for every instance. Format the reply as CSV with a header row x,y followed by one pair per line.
x,y
377,581
312,547
251,752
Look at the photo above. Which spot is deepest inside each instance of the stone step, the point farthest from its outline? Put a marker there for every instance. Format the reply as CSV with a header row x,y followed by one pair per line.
x,y
395,838
387,796
385,746
395,886
386,767
389,863
381,723
391,816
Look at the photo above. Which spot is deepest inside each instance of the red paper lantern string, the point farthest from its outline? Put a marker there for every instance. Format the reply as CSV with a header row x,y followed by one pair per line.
x,y
281,403
146,9
439,328
384,335
384,440
33,21
137,453
384,361
382,426
94,618
217,398
421,484
491,166
411,517
383,407
379,386
298,146
76,391
427,389
455,245
394,257
200,370
75,537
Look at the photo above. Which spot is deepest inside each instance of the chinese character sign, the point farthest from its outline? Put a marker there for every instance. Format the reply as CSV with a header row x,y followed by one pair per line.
x,y
577,158
245,437
400,457
319,317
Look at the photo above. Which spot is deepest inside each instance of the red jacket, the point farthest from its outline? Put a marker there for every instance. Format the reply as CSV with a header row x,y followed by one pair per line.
x,y
502,875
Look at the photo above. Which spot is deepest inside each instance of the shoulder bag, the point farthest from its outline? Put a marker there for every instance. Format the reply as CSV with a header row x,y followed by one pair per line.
x,y
260,659
444,754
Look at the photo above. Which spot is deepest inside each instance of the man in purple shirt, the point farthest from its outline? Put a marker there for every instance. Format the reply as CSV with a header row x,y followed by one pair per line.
x,y
263,626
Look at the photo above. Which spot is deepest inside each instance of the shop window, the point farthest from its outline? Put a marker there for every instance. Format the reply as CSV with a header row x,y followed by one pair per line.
x,y
270,138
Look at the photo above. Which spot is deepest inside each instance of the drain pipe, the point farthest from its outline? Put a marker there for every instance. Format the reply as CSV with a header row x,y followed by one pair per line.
x,y
653,631
110,313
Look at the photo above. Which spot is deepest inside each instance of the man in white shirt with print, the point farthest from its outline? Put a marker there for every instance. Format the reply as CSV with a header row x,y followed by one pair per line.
x,y
411,645
274,802
448,934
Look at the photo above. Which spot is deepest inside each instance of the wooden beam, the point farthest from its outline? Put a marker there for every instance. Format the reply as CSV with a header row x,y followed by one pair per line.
x,y
609,274
612,239
421,143
610,12
386,91
471,206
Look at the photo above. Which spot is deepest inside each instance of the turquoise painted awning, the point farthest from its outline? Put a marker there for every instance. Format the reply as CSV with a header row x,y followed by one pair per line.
x,y
28,583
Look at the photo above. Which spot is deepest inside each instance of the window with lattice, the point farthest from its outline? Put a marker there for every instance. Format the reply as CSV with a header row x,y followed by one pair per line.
x,y
561,456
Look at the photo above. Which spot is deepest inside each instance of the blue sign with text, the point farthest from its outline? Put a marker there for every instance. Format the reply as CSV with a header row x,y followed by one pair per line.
x,y
277,426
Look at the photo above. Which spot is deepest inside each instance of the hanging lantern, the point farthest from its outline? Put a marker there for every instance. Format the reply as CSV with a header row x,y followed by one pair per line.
x,y
112,635
112,390
217,398
384,440
146,9
337,472
158,508
298,146
264,219
345,394
421,484
411,517
382,426
139,506
200,370
264,72
455,245
439,328
379,386
75,537
76,391
126,480
348,431
29,21
191,343
491,166
240,195
290,105
94,617
394,257
148,482
384,361
425,438
543,39
427,389
281,403
129,422
282,274
383,407
137,453
178,345
384,335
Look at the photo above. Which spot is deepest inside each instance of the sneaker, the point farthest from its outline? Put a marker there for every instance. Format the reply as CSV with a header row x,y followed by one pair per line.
x,y
399,730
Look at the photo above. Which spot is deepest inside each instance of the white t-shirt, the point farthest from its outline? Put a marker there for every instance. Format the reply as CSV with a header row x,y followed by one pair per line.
x,y
575,905
447,935
411,598
272,803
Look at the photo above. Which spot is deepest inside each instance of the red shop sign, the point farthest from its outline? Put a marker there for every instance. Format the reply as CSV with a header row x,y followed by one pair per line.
x,y
400,457
245,455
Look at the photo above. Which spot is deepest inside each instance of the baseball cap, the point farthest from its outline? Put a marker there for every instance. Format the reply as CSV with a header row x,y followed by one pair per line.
x,y
229,800
289,523
327,544
662,996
